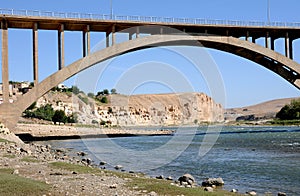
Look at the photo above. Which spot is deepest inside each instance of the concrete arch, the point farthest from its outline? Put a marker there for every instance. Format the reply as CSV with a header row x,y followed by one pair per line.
x,y
285,67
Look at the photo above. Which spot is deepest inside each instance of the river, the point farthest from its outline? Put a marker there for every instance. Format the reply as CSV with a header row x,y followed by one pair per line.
x,y
264,159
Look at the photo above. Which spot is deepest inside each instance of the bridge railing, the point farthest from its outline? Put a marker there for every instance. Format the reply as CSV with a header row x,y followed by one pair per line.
x,y
154,19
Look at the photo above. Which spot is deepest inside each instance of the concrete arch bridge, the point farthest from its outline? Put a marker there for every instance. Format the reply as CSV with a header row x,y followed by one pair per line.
x,y
221,35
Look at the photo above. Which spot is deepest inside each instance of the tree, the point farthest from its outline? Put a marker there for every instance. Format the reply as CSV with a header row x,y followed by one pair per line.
x,y
113,91
59,116
75,90
290,111
106,92
104,100
91,95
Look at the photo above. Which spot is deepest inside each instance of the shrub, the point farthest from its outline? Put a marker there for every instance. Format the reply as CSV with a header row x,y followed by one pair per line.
x,y
290,111
59,116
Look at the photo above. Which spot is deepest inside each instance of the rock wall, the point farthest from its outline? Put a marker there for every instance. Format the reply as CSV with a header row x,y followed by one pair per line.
x,y
161,109
140,110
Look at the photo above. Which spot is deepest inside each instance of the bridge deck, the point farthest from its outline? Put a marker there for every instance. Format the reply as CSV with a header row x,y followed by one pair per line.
x,y
99,25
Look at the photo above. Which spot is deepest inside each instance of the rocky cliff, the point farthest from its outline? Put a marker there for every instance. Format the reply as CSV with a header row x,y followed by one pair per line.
x,y
141,110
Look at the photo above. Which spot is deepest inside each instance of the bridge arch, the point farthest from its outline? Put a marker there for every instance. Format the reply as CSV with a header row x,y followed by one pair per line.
x,y
283,66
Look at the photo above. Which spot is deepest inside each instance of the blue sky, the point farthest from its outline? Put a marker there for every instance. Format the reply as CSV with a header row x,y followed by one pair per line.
x,y
246,83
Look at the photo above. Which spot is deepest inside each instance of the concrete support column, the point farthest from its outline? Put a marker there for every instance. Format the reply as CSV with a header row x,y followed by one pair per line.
x,y
61,47
288,46
272,43
107,39
137,32
267,40
35,54
5,77
113,35
291,48
161,31
88,37
247,36
84,43
130,35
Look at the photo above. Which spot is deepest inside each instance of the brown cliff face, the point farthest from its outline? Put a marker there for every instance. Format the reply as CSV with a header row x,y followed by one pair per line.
x,y
164,109
140,110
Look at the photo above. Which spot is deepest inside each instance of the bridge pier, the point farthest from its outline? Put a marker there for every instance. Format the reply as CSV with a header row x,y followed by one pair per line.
x,y
35,53
111,31
5,77
273,43
86,41
267,40
61,47
288,46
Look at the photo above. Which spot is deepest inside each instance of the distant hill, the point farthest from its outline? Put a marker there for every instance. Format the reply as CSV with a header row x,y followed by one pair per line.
x,y
265,110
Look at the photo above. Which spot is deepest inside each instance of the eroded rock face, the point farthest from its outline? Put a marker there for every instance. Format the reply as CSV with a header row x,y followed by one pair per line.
x,y
144,110
162,109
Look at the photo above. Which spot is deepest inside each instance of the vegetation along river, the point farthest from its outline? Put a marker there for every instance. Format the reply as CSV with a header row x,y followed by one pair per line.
x,y
264,159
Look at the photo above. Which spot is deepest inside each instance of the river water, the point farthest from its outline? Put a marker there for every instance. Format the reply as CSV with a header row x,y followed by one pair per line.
x,y
264,159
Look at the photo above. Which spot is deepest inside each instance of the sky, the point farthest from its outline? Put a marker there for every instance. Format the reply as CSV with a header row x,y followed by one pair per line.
x,y
245,83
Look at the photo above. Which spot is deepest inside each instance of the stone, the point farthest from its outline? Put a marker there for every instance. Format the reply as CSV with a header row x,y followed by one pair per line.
x,y
281,194
117,167
187,178
213,181
16,172
209,189
152,193
252,193
81,153
234,191
169,178
160,177
102,163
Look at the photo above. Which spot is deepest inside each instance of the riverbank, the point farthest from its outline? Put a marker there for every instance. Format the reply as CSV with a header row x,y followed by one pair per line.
x,y
32,169
40,132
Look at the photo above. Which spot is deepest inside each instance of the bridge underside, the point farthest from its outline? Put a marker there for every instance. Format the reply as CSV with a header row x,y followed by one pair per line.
x,y
283,66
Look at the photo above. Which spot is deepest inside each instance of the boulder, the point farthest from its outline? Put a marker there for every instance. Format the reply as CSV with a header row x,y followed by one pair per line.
x,y
160,177
117,167
209,182
187,178
251,193
209,189
281,194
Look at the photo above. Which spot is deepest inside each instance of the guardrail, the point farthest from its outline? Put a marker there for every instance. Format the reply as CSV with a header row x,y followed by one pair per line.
x,y
195,21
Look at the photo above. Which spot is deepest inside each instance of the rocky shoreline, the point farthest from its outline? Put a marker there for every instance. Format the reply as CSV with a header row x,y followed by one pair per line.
x,y
40,132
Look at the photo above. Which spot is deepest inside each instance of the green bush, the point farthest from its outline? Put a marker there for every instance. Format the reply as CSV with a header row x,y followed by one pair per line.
x,y
104,100
290,111
45,112
59,116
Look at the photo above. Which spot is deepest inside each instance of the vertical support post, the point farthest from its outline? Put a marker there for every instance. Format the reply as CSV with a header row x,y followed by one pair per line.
x,y
267,40
253,39
291,48
84,43
61,47
113,35
161,31
88,37
107,39
35,54
5,77
137,32
130,35
272,43
247,36
287,45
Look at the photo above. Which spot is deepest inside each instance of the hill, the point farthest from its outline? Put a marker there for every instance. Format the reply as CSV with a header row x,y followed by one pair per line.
x,y
265,110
